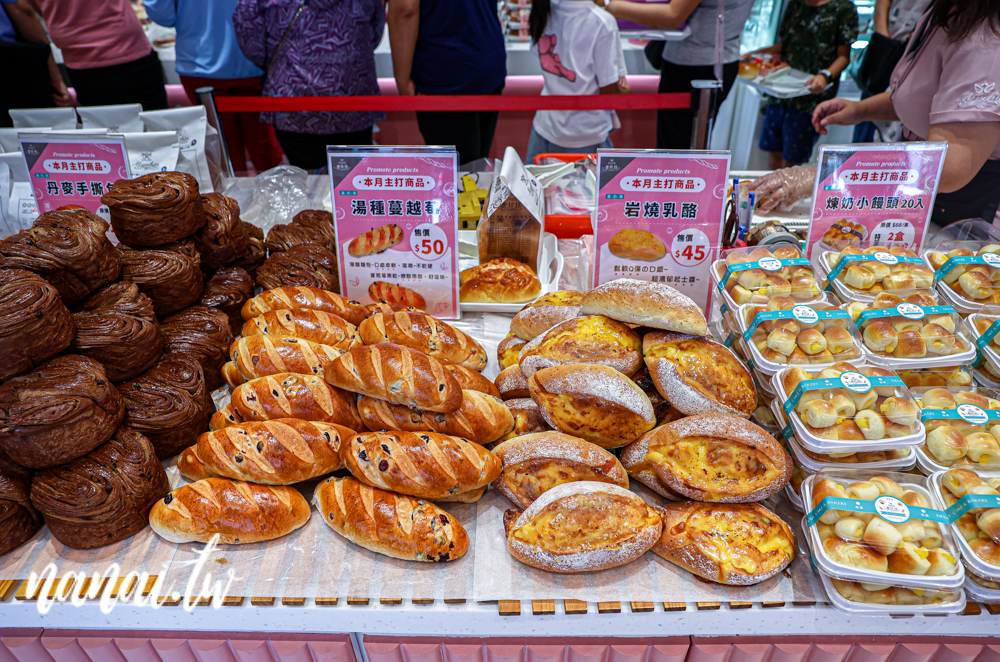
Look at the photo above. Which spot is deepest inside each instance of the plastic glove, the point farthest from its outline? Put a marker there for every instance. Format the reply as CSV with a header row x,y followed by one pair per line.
x,y
783,188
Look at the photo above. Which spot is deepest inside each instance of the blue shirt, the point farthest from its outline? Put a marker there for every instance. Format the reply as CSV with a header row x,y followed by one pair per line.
x,y
7,32
460,48
206,40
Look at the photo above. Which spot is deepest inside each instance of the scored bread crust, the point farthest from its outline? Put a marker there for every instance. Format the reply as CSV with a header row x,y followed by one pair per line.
x,y
225,417
705,377
575,341
289,395
313,325
425,334
678,545
503,280
390,524
633,459
239,512
471,380
259,356
480,418
511,383
308,298
190,465
650,304
594,559
397,374
554,446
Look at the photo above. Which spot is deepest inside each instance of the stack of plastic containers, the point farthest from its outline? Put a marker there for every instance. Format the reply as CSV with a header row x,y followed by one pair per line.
x,y
877,543
976,529
860,274
965,273
960,424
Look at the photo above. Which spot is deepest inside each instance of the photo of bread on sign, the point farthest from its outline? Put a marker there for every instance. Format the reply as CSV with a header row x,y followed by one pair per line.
x,y
385,292
634,244
375,241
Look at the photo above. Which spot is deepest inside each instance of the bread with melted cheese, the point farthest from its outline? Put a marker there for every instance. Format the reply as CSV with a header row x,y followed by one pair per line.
x,y
535,463
590,339
633,458
545,312
733,544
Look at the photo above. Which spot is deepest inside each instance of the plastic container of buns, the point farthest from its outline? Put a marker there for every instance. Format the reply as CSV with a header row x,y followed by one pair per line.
x,y
985,374
956,375
981,589
847,408
962,425
967,273
855,598
758,274
977,531
861,273
883,534
782,333
986,337
912,332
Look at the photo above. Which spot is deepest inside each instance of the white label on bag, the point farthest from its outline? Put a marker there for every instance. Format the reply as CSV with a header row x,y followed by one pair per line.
x,y
991,259
769,264
805,314
910,311
892,510
973,414
856,382
886,258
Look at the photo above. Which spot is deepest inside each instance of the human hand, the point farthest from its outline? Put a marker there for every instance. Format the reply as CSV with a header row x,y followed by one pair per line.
x,y
623,86
817,83
781,189
835,111
406,88
61,95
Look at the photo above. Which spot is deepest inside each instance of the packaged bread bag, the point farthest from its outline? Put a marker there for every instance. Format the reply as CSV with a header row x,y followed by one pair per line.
x,y
513,218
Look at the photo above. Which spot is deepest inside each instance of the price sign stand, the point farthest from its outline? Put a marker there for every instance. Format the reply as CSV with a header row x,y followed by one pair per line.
x,y
659,217
874,194
396,216
70,169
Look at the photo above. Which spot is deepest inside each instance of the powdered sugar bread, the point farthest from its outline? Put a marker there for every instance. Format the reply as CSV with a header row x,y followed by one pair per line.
x,y
545,312
527,418
633,459
581,527
650,304
593,402
717,457
698,375
755,543
535,463
589,339
512,383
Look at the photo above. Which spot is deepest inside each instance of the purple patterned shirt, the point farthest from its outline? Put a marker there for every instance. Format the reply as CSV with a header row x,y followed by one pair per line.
x,y
329,52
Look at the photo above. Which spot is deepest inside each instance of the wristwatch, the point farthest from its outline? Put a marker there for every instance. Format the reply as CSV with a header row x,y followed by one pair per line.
x,y
828,74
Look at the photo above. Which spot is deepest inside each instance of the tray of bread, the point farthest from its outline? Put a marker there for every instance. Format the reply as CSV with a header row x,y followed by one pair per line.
x,y
976,524
859,274
757,275
505,285
960,423
966,273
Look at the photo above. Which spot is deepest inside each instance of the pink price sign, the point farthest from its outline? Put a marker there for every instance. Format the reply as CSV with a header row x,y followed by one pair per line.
x,y
874,195
73,170
396,215
659,217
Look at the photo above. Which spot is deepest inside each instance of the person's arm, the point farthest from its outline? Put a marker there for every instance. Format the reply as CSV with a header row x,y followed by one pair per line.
x,y
161,12
970,144
659,15
818,83
251,32
881,17
404,26
25,19
842,112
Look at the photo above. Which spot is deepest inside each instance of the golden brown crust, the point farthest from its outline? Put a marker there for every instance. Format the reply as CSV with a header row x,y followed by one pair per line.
x,y
589,339
385,292
191,466
649,304
733,544
377,240
633,458
289,395
312,325
260,356
239,512
527,418
508,349
535,463
511,383
397,374
697,375
499,281
480,418
420,464
426,334
391,524
471,380
548,310
308,298
633,244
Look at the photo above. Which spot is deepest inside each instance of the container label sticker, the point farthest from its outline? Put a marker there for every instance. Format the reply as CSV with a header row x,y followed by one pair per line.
x,y
895,511
971,414
854,381
892,510
988,336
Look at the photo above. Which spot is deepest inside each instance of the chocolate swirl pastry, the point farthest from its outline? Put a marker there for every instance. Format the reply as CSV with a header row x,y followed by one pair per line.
x,y
69,249
203,333
283,237
103,497
228,289
256,253
18,518
223,238
171,279
59,411
185,247
117,326
155,209
321,220
168,403
35,324
305,265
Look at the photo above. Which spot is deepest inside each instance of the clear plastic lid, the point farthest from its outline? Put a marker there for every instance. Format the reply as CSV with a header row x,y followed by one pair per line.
x,y
979,588
967,272
783,332
985,328
859,274
958,375
879,528
866,599
912,331
757,275
962,426
848,407
978,530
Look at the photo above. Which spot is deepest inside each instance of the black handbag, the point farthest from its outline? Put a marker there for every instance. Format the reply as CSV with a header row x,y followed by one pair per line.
x,y
654,53
874,67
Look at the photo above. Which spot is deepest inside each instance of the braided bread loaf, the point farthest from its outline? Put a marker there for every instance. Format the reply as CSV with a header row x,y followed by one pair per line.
x,y
426,334
171,278
480,418
312,325
304,265
304,298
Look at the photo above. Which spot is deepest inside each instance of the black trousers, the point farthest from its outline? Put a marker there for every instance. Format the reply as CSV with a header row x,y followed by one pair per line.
x,y
139,81
673,127
471,132
24,77
308,150
980,198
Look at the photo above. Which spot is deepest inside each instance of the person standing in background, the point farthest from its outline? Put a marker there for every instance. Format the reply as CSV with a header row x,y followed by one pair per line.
x,y
208,55
815,36
690,59
108,57
29,66
450,47
895,19
314,48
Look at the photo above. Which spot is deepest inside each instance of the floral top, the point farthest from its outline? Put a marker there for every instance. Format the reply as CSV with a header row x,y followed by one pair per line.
x,y
809,39
330,51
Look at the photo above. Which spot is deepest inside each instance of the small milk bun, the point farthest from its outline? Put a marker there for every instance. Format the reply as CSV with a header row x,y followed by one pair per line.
x,y
839,340
923,278
859,278
881,271
864,400
909,345
898,280
895,430
958,481
970,398
849,528
882,536
946,444
820,414
879,336
871,424
887,486
782,340
982,448
842,404
864,490
811,341
938,398
908,560
938,339
900,411
975,285
849,431
942,564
